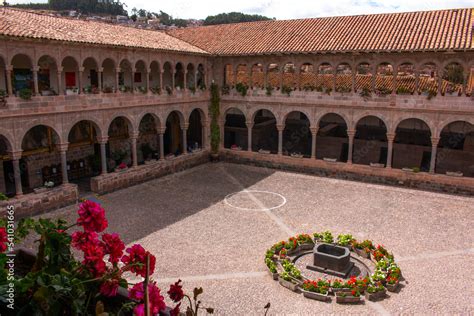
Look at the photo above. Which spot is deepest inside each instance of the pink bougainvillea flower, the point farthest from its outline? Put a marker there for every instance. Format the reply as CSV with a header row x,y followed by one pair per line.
x,y
109,288
92,217
3,239
136,292
80,240
136,259
176,292
114,247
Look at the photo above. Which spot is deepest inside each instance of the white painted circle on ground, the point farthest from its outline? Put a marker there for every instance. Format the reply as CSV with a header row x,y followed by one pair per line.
x,y
255,200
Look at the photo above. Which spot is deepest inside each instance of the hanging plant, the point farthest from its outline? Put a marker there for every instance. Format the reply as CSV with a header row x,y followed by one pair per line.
x,y
214,110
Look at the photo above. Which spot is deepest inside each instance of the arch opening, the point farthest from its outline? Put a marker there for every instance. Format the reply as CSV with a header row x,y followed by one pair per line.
x,y
412,145
235,130
265,132
297,135
370,142
332,139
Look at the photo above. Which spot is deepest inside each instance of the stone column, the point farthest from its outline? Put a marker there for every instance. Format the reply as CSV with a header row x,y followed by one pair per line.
x,y
60,81
99,79
63,152
250,78
395,73
265,78
390,139
81,71
185,79
195,80
334,80
9,72
161,133
147,82
280,128
417,81
234,73
354,72
298,79
184,130
314,135
434,151
117,74
132,81
351,134
133,141
282,71
103,155
440,82
35,70
173,79
249,135
161,81
16,156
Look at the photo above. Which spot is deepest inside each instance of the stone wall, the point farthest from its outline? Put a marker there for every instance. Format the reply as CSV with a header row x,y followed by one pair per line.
x,y
132,176
36,203
396,177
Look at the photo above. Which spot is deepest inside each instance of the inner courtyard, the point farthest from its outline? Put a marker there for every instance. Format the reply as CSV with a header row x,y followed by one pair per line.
x,y
220,245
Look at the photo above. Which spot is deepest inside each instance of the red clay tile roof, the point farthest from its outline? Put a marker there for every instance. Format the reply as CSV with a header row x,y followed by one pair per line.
x,y
22,23
414,31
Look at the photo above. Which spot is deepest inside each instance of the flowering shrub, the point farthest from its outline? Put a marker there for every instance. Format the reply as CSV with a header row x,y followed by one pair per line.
x,y
304,239
373,288
319,286
345,239
325,237
366,245
122,166
58,284
292,271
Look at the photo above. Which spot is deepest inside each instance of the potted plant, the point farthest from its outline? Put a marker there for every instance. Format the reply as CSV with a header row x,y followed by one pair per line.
x,y
392,283
269,90
121,167
286,90
241,88
325,237
345,240
348,297
339,286
290,276
364,248
316,290
25,94
214,110
375,292
225,89
365,93
264,151
272,268
305,242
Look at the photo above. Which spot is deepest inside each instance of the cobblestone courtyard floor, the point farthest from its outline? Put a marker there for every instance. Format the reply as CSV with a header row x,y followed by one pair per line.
x,y
207,240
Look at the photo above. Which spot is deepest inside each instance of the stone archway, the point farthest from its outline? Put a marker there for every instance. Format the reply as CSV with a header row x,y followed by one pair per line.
x,y
370,142
265,132
173,138
195,132
412,145
456,149
297,135
235,129
332,139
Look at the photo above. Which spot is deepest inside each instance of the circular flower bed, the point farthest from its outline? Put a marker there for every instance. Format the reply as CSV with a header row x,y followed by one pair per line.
x,y
280,259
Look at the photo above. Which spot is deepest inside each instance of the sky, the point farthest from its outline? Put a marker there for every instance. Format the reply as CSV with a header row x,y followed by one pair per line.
x,y
286,9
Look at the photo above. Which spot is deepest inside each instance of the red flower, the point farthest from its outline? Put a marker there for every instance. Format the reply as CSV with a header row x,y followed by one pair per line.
x,y
109,288
114,246
139,310
353,292
94,259
80,240
176,292
175,310
136,259
157,302
3,239
92,217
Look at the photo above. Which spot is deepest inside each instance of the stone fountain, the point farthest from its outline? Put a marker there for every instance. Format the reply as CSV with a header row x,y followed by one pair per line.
x,y
331,259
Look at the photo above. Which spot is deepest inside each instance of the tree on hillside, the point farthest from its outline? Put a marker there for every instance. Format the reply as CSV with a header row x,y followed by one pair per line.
x,y
233,17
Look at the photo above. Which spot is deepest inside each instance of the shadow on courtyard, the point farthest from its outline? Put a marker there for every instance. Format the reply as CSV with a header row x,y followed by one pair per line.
x,y
138,211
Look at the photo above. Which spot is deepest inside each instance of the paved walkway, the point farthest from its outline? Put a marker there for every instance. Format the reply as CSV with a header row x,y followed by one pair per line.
x,y
207,240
